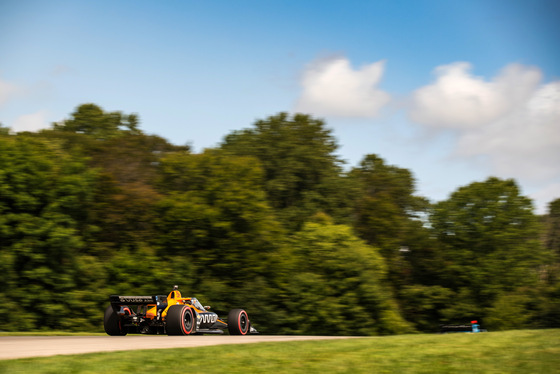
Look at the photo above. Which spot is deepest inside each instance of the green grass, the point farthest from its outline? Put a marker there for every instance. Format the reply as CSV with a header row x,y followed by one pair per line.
x,y
526,351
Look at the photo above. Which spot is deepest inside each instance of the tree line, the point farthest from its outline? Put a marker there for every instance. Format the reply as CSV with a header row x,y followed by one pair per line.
x,y
269,220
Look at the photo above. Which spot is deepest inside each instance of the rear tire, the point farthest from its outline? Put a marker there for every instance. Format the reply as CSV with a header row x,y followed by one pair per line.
x,y
238,322
112,323
180,320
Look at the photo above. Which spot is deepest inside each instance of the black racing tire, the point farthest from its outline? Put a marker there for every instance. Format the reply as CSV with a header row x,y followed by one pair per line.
x,y
112,323
238,322
181,320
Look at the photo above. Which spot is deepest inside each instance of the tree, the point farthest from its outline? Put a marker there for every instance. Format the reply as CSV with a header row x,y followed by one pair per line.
x,y
4,130
548,314
300,167
385,203
491,247
90,119
44,199
552,227
215,213
331,282
423,305
126,197
127,162
387,214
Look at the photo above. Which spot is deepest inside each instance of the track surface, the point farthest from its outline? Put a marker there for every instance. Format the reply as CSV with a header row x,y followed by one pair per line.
x,y
12,347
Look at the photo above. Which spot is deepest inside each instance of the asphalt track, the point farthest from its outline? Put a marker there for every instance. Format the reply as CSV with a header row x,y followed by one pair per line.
x,y
12,347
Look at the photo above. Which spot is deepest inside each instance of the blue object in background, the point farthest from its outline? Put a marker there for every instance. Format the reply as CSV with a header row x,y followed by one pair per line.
x,y
475,326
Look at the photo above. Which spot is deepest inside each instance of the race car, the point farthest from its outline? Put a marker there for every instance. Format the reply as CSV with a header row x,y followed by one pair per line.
x,y
171,315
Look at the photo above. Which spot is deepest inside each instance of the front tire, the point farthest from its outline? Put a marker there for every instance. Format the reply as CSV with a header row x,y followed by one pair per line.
x,y
112,323
180,320
238,322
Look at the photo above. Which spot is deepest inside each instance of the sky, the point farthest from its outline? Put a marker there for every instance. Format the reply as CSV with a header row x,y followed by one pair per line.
x,y
455,91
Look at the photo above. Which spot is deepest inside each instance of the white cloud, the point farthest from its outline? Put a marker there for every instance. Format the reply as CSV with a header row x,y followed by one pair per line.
x,y
31,122
512,122
457,99
524,143
332,88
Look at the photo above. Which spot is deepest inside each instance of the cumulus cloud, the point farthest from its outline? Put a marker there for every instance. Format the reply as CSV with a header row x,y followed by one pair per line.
x,y
457,99
31,122
331,87
525,142
512,121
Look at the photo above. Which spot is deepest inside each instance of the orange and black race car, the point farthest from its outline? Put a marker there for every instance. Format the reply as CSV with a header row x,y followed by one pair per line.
x,y
171,315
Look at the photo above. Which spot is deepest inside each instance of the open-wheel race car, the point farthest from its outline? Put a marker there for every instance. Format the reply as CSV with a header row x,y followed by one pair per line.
x,y
171,315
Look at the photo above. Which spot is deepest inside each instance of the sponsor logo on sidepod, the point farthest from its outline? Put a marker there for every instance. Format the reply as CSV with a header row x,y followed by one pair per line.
x,y
208,317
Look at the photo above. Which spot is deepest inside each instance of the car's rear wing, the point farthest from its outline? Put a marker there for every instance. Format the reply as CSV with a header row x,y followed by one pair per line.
x,y
137,300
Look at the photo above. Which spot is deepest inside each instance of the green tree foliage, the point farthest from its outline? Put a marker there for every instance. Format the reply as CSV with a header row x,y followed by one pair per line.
x,y
91,192
4,130
423,305
552,227
127,161
548,314
300,166
126,198
490,245
334,283
268,222
387,216
385,203
549,303
216,215
90,119
44,199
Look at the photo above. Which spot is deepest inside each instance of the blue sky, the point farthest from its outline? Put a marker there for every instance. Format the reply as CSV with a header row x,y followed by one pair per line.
x,y
454,90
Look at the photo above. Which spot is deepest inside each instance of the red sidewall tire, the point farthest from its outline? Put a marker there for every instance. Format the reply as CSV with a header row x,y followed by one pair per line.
x,y
180,320
238,322
186,317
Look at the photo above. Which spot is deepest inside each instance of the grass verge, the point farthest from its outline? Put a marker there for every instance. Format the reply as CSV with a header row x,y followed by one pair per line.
x,y
525,351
